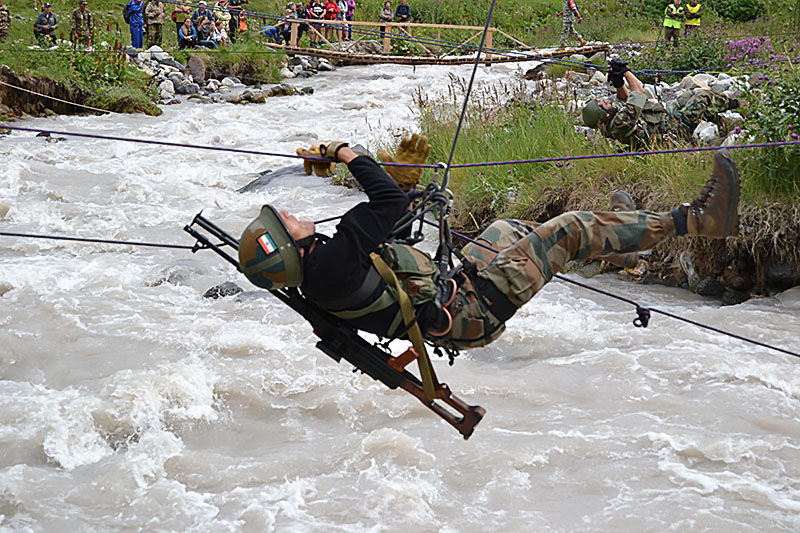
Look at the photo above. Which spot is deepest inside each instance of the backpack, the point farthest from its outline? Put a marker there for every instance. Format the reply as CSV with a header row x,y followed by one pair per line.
x,y
126,14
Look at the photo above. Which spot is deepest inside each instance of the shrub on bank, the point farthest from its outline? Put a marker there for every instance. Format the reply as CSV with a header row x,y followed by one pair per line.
x,y
775,117
704,49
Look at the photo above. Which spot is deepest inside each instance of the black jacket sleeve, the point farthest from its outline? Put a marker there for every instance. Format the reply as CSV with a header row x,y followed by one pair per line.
x,y
337,268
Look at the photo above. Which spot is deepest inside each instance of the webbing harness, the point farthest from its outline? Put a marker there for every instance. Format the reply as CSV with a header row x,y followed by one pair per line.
x,y
429,381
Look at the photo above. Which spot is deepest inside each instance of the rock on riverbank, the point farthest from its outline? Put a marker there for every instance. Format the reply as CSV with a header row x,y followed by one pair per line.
x,y
175,80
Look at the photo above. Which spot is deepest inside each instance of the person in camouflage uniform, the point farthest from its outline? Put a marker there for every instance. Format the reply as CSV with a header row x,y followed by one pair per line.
x,y
642,123
82,25
569,15
154,13
345,275
5,21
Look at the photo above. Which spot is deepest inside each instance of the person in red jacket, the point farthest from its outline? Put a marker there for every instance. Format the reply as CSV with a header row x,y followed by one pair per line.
x,y
331,13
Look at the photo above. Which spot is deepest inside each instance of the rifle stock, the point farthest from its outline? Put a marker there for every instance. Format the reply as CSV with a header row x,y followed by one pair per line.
x,y
340,341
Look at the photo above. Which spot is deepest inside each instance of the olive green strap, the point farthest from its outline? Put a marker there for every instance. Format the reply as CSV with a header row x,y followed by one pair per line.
x,y
429,381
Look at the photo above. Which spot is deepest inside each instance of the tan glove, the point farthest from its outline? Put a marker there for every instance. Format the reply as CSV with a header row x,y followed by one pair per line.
x,y
320,168
411,151
331,149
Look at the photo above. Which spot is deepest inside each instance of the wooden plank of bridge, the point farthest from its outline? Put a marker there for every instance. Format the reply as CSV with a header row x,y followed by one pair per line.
x,y
428,60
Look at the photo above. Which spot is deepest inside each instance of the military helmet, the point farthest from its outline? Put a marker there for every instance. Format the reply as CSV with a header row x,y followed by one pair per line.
x,y
593,114
268,254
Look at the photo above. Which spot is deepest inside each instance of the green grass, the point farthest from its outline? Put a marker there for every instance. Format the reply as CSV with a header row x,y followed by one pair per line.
x,y
526,190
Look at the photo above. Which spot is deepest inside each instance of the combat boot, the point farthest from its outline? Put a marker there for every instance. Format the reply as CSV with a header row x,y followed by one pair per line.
x,y
715,211
621,201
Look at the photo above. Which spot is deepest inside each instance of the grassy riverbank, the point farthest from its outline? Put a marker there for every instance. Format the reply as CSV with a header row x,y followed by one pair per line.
x,y
538,191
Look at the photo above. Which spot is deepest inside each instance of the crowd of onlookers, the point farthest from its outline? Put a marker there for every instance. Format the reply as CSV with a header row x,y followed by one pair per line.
x,y
210,27
319,11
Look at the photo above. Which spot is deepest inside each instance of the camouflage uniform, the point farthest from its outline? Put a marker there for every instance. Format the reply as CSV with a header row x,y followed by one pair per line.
x,y
568,23
82,26
642,123
5,22
155,14
531,255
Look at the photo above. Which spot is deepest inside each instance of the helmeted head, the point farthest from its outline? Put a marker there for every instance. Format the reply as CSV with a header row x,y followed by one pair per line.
x,y
268,254
593,114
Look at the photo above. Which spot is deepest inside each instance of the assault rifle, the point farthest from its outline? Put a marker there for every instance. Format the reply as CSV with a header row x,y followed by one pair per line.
x,y
340,341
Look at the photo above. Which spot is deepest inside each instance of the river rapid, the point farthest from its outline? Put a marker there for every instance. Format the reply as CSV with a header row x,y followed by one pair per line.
x,y
130,402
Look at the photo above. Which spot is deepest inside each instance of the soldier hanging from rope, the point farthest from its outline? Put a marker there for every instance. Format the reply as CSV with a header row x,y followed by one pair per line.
x,y
642,122
360,274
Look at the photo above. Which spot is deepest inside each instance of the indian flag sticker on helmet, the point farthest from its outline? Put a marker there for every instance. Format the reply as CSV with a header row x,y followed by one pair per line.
x,y
267,244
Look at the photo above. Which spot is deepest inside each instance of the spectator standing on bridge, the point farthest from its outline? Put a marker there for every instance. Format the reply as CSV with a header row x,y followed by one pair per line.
x,y
387,14
403,12
155,12
316,11
331,13
342,16
351,15
693,13
45,25
569,15
82,25
673,15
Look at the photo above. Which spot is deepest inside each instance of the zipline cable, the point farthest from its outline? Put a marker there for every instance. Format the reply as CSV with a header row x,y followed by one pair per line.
x,y
461,165
643,312
54,98
101,241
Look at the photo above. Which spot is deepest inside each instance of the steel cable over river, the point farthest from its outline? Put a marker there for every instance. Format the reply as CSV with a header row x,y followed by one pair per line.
x,y
132,402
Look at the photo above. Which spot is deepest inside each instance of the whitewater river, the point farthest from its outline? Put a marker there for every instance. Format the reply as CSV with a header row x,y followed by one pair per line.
x,y
128,402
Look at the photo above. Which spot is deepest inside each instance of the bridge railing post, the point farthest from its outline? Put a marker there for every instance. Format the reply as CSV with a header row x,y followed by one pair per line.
x,y
387,40
293,40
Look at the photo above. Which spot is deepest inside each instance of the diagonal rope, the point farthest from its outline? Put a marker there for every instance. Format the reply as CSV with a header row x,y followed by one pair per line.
x,y
54,98
462,165
469,90
102,241
642,311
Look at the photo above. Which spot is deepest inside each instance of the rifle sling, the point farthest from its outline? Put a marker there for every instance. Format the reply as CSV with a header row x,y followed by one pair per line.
x,y
429,381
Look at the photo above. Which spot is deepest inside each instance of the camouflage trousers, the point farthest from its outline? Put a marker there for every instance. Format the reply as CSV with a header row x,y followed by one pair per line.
x,y
568,30
529,255
154,35
672,34
691,108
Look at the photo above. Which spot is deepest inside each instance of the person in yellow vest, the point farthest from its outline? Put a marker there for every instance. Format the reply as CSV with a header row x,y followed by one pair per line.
x,y
693,12
673,16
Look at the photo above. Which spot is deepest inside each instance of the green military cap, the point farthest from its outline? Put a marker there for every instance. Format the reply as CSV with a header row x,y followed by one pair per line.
x,y
592,113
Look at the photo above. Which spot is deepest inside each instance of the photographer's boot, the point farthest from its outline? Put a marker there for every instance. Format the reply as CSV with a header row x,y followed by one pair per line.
x,y
715,211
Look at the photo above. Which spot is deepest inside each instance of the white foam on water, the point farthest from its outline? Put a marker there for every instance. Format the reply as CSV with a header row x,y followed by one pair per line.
x,y
130,402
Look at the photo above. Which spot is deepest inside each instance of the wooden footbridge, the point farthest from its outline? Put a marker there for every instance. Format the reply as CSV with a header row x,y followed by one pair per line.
x,y
374,44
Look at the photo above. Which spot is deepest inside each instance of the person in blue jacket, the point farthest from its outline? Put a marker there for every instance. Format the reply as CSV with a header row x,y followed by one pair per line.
x,y
136,22
187,35
403,12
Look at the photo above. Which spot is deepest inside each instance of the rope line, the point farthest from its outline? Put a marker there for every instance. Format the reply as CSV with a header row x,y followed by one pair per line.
x,y
102,241
462,165
642,312
54,98
640,309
